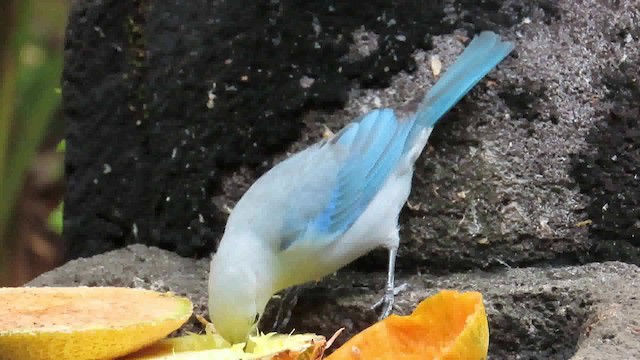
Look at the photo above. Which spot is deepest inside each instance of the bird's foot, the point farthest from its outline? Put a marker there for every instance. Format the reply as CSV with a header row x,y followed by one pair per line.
x,y
387,301
285,309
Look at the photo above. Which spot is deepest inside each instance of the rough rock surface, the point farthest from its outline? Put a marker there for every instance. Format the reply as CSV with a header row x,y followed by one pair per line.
x,y
575,312
175,107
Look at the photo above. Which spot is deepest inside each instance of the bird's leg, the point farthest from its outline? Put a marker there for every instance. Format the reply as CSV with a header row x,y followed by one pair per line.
x,y
390,290
285,308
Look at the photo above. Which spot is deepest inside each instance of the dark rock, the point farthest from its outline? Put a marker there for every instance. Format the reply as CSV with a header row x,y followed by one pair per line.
x,y
510,175
499,182
166,99
610,176
583,312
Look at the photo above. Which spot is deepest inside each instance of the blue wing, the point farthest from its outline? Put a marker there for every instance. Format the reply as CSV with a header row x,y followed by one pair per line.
x,y
374,145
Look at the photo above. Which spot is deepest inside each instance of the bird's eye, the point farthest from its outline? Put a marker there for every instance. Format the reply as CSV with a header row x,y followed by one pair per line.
x,y
256,318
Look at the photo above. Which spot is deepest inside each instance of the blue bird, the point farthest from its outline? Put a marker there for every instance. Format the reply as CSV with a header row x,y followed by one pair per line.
x,y
333,202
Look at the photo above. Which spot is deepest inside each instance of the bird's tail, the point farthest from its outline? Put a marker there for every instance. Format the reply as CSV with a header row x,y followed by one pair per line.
x,y
483,54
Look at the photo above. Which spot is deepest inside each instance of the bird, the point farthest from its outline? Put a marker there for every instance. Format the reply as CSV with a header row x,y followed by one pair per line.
x,y
333,202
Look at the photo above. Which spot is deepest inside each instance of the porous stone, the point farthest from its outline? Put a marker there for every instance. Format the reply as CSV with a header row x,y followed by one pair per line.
x,y
174,108
574,312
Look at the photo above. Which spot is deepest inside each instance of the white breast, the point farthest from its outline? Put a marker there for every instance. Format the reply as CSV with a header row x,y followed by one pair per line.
x,y
378,224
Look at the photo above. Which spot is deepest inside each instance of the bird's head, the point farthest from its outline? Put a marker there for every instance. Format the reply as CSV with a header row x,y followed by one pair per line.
x,y
234,304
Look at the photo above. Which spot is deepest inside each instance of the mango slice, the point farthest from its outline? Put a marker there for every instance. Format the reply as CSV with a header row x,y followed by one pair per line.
x,y
449,325
84,323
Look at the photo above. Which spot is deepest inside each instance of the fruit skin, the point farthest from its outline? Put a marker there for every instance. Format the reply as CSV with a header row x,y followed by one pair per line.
x,y
450,325
85,323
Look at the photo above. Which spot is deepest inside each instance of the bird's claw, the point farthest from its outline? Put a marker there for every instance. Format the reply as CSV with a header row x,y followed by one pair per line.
x,y
387,301
285,309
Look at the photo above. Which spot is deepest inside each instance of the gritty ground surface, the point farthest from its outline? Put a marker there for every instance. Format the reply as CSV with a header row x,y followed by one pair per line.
x,y
584,312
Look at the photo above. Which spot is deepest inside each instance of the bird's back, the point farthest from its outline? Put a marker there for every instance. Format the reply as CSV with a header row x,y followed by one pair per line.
x,y
296,188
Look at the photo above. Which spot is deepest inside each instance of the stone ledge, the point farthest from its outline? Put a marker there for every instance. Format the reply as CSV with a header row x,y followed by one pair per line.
x,y
577,312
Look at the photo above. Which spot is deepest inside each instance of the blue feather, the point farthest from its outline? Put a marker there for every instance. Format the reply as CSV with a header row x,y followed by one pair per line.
x,y
377,141
374,153
483,54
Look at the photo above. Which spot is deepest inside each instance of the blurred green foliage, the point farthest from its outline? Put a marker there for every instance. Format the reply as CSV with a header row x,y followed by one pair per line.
x,y
31,58
56,218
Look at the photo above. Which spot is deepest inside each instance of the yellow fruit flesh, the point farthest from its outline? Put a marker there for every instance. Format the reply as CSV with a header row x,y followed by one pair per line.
x,y
213,347
104,323
85,323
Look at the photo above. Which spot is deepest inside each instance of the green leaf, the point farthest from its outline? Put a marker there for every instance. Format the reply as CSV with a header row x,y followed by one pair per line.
x,y
56,219
30,69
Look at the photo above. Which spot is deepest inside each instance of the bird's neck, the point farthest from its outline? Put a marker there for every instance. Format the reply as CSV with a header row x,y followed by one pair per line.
x,y
251,252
